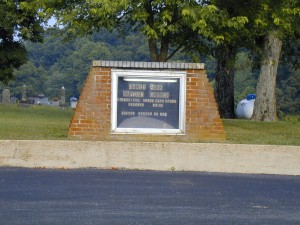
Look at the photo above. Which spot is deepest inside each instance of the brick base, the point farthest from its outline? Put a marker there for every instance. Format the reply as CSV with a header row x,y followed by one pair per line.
x,y
92,118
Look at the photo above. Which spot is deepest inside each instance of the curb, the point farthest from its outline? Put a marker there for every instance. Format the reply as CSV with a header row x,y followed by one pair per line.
x,y
161,156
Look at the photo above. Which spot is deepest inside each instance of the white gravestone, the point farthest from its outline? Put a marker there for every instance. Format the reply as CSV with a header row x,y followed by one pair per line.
x,y
5,96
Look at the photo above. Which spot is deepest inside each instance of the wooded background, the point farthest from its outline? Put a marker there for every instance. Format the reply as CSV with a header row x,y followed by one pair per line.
x,y
56,63
249,46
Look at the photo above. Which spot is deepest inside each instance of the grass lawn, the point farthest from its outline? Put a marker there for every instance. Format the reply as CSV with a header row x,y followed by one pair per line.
x,y
274,133
51,123
34,122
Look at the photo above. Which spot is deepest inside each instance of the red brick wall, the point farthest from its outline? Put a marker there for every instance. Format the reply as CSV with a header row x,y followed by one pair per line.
x,y
92,118
202,117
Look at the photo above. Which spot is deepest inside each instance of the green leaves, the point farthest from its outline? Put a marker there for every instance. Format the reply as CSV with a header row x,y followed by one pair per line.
x,y
186,12
150,32
237,22
19,21
216,24
260,23
12,55
155,18
281,15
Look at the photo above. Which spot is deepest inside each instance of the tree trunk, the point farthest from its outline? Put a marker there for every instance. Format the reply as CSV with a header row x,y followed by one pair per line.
x,y
164,48
265,103
153,50
162,55
224,81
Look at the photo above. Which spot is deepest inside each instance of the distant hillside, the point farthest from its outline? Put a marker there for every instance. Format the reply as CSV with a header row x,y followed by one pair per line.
x,y
56,63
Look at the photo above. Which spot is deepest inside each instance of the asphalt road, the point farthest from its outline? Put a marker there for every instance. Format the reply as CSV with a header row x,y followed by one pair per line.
x,y
71,197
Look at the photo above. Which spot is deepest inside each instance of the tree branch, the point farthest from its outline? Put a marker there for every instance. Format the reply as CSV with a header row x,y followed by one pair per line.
x,y
174,52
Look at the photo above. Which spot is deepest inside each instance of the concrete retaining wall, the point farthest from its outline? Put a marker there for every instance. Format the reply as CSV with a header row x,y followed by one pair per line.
x,y
209,157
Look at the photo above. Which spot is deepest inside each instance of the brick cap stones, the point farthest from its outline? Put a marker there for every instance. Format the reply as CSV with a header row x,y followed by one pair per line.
x,y
148,65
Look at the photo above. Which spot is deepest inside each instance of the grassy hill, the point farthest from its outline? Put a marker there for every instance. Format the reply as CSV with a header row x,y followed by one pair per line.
x,y
51,123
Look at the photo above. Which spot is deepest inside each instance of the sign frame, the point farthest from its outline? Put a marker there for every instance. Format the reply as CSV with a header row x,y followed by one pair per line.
x,y
146,76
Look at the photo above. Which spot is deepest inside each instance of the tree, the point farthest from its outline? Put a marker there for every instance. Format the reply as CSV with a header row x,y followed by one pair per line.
x,y
288,90
269,21
47,73
19,21
34,78
167,24
162,21
265,104
56,63
174,23
221,32
275,22
245,78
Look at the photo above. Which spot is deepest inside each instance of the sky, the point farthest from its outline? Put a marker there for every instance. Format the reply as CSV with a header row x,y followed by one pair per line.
x,y
51,22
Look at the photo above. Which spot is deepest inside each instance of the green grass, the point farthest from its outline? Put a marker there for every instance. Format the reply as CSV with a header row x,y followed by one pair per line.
x,y
274,133
34,122
51,123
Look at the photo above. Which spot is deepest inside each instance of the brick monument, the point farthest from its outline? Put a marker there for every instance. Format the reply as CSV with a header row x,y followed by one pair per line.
x,y
147,101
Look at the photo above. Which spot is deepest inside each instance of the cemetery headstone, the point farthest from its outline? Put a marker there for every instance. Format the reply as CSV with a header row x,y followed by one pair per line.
x,y
73,102
24,95
63,97
6,96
